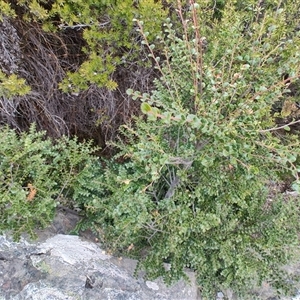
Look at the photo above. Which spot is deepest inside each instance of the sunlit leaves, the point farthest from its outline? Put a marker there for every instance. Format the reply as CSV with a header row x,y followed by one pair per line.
x,y
12,85
203,154
107,30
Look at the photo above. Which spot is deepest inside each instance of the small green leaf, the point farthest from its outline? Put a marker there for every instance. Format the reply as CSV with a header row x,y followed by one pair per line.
x,y
146,108
129,92
190,118
296,186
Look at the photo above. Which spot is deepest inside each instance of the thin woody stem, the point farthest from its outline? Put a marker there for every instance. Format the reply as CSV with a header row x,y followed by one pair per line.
x,y
280,127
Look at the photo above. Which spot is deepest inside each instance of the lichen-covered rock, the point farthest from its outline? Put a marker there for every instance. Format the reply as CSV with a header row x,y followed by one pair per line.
x,y
66,267
10,52
61,266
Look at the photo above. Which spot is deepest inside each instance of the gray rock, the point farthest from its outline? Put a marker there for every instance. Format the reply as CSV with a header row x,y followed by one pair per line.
x,y
61,266
67,267
10,52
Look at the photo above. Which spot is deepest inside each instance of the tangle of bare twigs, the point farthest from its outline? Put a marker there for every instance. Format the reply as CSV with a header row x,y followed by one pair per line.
x,y
43,59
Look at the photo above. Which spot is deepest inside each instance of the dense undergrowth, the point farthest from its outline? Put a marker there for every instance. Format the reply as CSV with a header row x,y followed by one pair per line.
x,y
72,63
208,126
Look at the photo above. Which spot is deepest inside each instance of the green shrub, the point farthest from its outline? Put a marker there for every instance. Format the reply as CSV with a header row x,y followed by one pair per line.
x,y
193,186
35,175
12,85
106,27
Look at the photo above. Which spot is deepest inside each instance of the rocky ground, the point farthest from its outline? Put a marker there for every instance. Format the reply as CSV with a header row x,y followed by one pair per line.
x,y
60,266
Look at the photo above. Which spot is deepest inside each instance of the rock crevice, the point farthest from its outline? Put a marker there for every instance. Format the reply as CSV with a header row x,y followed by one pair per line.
x,y
68,267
